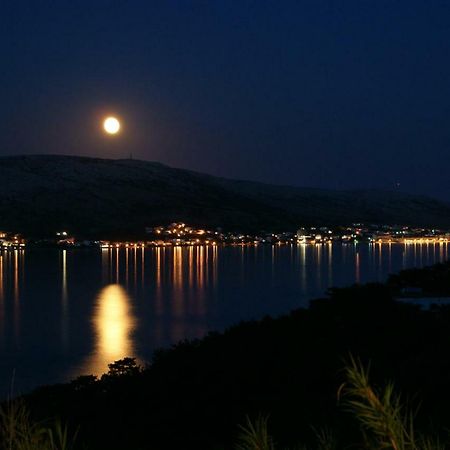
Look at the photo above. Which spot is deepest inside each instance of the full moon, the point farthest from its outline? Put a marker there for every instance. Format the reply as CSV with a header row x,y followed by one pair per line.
x,y
111,125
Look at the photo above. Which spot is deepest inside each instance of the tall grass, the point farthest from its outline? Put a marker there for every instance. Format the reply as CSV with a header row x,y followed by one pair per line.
x,y
254,435
385,420
19,432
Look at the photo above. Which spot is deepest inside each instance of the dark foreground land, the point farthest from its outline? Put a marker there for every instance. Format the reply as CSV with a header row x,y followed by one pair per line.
x,y
194,395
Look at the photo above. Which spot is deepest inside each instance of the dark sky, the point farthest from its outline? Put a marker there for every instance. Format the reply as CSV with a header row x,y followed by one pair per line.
x,y
338,94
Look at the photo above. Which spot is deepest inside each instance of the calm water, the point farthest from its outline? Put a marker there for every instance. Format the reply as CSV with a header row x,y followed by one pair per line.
x,y
65,313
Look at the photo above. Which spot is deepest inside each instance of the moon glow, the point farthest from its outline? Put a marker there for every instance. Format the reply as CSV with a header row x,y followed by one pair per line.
x,y
111,125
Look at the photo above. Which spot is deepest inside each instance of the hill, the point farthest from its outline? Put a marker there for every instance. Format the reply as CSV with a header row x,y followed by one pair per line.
x,y
43,193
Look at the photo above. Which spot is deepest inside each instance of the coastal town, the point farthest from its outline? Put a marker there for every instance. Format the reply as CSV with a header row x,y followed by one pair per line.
x,y
182,234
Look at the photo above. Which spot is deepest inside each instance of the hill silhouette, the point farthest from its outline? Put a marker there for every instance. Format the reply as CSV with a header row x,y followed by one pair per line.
x,y
96,197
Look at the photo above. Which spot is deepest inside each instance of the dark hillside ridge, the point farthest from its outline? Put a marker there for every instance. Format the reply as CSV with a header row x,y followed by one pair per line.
x,y
96,197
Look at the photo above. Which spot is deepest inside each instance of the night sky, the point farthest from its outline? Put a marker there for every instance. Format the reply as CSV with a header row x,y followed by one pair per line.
x,y
334,94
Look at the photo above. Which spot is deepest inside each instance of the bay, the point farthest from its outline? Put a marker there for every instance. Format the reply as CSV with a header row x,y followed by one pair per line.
x,y
65,313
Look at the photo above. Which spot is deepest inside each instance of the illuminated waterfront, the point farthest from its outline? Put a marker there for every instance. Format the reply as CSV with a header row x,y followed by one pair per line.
x,y
68,312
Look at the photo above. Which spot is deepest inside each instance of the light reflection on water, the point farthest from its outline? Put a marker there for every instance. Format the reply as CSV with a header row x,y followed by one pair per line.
x,y
70,312
113,323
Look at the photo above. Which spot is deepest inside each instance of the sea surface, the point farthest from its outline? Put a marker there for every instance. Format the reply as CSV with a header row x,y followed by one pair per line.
x,y
64,313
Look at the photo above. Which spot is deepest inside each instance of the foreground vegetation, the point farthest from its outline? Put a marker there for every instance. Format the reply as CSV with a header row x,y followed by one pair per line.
x,y
384,421
289,368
